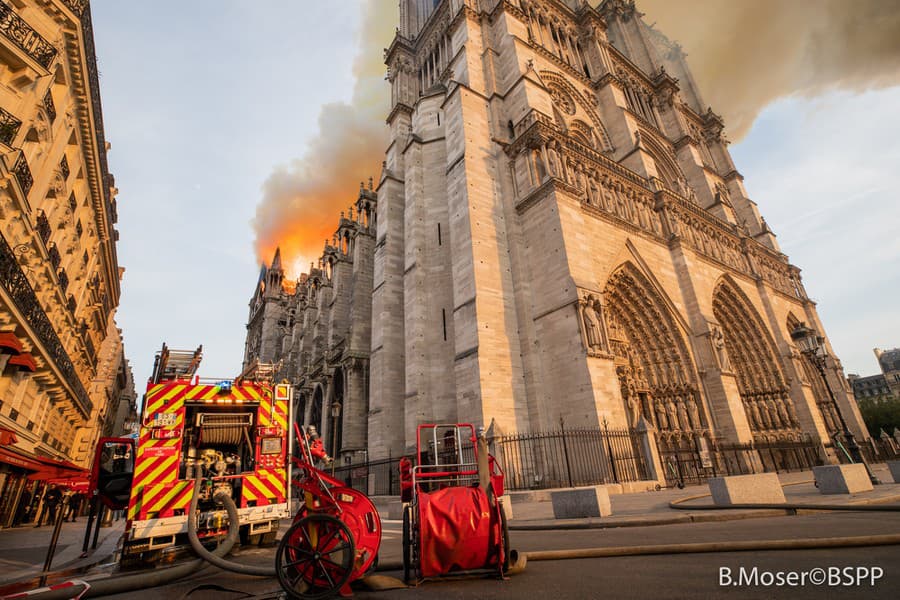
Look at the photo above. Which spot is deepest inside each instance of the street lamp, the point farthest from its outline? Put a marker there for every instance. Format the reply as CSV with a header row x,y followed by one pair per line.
x,y
813,347
335,416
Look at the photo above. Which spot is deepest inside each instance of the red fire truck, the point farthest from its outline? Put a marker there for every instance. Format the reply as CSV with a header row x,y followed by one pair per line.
x,y
233,434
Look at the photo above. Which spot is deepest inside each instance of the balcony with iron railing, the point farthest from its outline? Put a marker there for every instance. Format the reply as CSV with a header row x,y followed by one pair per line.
x,y
42,225
23,36
53,255
49,106
23,174
9,127
63,280
18,290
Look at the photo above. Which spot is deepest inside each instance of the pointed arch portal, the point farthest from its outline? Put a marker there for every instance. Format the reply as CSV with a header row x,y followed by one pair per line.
x,y
656,371
753,359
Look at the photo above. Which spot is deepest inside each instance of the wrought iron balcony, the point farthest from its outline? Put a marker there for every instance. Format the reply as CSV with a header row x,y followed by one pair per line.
x,y
53,253
23,174
42,224
9,127
76,6
49,106
16,286
89,344
20,33
63,280
64,168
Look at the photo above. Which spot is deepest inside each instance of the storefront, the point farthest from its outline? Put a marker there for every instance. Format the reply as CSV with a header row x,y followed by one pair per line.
x,y
15,467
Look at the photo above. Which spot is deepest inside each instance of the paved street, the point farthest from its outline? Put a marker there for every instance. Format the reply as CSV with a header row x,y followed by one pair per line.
x,y
670,576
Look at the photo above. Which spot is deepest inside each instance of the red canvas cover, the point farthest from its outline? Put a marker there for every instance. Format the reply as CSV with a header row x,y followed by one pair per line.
x,y
456,533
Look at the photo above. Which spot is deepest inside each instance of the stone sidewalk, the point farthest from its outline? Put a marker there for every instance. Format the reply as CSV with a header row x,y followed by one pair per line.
x,y
653,508
23,550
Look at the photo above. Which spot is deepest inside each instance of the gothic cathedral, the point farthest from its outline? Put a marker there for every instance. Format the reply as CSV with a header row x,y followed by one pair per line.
x,y
559,234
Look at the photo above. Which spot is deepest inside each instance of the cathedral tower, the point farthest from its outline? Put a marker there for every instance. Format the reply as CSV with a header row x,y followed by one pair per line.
x,y
561,235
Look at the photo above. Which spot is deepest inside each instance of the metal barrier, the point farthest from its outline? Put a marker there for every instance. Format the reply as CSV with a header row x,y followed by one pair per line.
x,y
570,457
537,460
691,467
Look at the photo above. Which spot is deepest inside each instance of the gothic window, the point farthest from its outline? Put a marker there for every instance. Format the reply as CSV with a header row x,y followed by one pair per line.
x,y
656,371
573,112
752,355
583,133
664,159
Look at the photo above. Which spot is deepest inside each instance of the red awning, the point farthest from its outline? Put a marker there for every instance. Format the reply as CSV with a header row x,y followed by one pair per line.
x,y
58,469
10,344
24,361
7,437
11,457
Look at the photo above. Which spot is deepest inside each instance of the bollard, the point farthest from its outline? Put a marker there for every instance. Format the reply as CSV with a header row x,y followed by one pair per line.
x,y
51,549
95,502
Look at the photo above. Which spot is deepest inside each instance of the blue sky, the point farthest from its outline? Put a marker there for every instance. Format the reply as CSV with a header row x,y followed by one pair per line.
x,y
203,99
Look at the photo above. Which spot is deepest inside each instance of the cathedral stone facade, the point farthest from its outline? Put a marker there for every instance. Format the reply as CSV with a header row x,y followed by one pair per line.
x,y
558,234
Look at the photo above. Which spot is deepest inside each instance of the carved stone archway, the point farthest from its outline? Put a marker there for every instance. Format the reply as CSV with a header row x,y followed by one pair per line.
x,y
656,371
753,360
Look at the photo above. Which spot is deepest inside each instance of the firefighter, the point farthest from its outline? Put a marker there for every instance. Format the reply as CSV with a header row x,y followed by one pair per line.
x,y
316,447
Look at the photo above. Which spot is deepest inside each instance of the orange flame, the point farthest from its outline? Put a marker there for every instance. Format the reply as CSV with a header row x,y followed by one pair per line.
x,y
302,201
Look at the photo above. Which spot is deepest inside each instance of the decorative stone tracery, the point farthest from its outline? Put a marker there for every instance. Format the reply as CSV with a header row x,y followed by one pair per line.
x,y
655,369
752,357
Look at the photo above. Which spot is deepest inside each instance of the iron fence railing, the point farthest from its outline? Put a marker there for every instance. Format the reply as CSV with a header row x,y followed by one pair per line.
x,y
536,460
695,466
376,478
570,457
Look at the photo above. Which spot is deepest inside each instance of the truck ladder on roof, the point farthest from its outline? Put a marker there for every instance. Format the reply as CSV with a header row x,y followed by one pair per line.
x,y
171,365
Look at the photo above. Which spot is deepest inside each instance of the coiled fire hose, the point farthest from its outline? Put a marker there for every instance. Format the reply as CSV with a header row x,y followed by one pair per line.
x,y
233,519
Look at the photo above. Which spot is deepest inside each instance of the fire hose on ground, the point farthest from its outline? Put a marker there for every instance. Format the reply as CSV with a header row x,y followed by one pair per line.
x,y
211,557
127,583
518,560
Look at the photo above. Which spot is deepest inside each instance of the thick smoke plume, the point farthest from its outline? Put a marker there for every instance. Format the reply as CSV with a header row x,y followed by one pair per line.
x,y
744,54
301,202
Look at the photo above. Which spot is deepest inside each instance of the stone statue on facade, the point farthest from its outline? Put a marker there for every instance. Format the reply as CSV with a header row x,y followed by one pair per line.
x,y
696,422
591,320
718,342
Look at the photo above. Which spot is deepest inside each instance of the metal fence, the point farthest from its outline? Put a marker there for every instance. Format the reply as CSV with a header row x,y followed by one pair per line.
x,y
570,457
563,458
375,478
594,456
691,466
873,450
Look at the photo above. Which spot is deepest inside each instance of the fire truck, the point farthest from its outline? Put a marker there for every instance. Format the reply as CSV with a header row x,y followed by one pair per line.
x,y
234,434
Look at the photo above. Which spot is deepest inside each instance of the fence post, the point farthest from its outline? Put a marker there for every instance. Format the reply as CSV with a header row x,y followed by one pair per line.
x,y
562,426
612,457
651,452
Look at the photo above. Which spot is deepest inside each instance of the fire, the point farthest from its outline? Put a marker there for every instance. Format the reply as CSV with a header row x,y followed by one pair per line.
x,y
302,201
775,58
